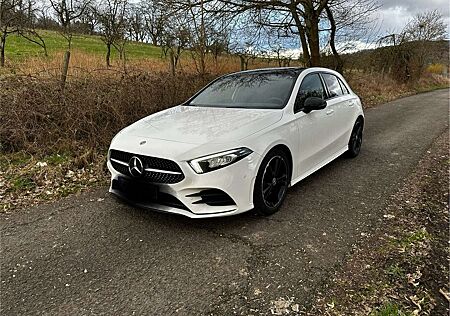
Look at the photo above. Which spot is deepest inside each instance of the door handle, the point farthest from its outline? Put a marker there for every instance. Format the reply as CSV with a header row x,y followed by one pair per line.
x,y
352,103
329,112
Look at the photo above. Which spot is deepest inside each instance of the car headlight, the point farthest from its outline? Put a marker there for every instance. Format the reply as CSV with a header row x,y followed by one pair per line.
x,y
219,160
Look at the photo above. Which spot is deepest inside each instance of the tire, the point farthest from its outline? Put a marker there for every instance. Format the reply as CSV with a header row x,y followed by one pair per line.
x,y
269,194
356,138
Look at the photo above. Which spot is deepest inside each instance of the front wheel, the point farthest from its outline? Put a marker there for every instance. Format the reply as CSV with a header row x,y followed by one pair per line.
x,y
355,142
271,182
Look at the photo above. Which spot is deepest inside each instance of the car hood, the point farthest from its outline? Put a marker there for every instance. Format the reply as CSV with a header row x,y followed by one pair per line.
x,y
201,125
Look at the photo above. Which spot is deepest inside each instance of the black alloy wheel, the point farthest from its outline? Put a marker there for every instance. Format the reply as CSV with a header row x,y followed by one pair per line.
x,y
355,142
272,182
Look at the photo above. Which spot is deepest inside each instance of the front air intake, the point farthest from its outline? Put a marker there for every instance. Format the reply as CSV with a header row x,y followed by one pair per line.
x,y
212,197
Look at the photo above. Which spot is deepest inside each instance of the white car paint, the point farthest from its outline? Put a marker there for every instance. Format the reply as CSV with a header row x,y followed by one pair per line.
x,y
183,133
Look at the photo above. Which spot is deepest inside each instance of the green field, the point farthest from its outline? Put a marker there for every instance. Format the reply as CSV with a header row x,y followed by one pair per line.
x,y
18,47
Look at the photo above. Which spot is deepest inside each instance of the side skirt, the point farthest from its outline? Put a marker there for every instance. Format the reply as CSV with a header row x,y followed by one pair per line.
x,y
318,166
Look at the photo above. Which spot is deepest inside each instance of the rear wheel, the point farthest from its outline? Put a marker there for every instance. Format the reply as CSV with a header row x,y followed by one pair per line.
x,y
271,182
355,142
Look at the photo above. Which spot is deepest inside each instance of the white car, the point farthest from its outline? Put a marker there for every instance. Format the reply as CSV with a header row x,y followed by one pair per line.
x,y
238,144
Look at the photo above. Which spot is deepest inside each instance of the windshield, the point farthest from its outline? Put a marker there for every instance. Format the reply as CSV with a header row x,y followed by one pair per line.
x,y
252,90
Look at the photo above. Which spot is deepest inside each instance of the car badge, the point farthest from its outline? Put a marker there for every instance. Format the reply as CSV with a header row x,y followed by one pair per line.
x,y
142,142
136,167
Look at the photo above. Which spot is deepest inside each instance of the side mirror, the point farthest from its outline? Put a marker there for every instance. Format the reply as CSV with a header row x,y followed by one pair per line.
x,y
314,104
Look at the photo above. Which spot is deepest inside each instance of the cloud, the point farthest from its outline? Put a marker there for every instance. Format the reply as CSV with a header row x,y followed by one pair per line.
x,y
394,15
416,6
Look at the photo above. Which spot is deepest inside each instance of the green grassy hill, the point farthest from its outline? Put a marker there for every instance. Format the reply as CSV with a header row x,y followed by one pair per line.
x,y
18,47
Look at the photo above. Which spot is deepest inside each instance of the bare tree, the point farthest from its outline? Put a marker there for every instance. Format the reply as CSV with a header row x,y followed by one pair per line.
x,y
155,15
9,17
349,21
136,23
219,43
28,29
409,51
18,16
175,38
245,40
67,12
89,21
111,15
303,18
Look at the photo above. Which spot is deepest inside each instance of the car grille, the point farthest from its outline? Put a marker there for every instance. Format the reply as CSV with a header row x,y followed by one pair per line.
x,y
164,170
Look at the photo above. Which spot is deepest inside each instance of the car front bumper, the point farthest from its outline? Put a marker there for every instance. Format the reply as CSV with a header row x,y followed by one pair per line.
x,y
236,181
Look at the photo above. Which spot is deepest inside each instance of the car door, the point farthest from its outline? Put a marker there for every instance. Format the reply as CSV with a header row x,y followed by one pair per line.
x,y
314,127
350,111
337,108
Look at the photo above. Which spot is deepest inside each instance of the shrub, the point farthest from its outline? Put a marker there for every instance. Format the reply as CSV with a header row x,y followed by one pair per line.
x,y
37,117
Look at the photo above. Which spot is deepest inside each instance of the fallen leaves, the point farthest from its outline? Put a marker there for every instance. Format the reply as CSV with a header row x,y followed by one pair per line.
x,y
283,306
28,181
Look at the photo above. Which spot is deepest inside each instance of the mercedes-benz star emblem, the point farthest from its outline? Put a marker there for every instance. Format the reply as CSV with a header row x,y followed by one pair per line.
x,y
135,167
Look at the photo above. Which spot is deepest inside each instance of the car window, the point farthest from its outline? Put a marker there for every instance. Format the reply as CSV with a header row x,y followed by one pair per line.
x,y
344,87
334,88
252,90
311,87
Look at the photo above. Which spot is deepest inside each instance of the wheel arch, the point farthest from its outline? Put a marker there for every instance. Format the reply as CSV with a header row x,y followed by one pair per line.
x,y
288,153
360,117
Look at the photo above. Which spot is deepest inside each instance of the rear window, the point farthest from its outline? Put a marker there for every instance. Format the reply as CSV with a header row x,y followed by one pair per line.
x,y
332,82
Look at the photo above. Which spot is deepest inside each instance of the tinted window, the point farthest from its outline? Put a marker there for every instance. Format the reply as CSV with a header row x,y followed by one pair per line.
x,y
311,87
344,87
257,90
334,88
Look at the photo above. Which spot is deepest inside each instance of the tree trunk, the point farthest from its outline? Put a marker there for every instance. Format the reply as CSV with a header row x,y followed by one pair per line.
x,y
242,62
339,64
301,32
313,40
2,50
305,49
154,40
108,55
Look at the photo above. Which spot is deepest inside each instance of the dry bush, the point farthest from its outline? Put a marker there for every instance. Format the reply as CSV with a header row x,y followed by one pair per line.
x,y
437,69
375,88
37,117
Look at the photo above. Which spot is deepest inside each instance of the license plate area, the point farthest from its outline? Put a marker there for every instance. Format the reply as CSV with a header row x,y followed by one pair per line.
x,y
136,190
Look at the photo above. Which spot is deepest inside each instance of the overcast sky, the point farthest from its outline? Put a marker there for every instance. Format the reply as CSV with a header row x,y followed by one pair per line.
x,y
395,14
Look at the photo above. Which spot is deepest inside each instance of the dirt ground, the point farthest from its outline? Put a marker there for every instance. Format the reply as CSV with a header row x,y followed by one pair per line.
x,y
402,269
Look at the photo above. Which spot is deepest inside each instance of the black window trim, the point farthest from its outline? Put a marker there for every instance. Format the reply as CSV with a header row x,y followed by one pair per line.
x,y
324,87
341,82
328,91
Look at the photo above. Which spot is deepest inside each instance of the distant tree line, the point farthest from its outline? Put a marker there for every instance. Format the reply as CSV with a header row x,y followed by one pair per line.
x,y
247,28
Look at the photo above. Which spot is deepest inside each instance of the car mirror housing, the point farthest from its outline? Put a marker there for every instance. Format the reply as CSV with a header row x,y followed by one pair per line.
x,y
314,104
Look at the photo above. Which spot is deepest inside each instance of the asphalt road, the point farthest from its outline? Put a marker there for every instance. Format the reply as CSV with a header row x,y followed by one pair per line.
x,y
91,254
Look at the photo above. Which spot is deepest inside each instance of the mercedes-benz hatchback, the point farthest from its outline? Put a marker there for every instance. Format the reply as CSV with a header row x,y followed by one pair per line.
x,y
238,144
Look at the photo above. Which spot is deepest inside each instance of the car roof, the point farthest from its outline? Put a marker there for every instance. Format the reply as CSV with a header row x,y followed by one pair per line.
x,y
277,70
